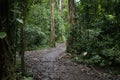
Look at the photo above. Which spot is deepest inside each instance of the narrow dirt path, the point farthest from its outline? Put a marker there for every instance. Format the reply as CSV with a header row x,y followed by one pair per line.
x,y
48,65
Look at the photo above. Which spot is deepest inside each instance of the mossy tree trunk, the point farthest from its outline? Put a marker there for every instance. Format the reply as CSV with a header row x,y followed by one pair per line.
x,y
71,16
71,11
7,50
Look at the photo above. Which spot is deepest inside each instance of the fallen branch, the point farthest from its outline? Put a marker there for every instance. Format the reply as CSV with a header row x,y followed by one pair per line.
x,y
64,56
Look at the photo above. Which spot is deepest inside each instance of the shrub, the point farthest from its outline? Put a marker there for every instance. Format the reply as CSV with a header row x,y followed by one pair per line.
x,y
96,33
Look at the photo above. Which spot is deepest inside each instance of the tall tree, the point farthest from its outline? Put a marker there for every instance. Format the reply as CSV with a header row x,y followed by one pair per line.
x,y
22,49
60,7
7,37
60,16
24,5
52,35
71,10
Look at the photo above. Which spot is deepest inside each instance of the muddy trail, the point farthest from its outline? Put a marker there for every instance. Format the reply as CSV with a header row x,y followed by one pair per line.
x,y
55,64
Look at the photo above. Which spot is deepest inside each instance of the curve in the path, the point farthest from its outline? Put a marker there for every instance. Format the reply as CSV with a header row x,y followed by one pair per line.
x,y
46,66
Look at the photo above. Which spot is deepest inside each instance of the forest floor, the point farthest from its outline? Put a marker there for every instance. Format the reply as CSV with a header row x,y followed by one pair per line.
x,y
55,64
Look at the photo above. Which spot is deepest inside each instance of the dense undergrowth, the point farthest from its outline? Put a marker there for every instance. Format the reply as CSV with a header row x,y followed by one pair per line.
x,y
37,27
37,30
95,37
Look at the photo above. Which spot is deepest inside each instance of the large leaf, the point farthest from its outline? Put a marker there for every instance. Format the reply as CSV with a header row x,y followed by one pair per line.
x,y
2,35
20,20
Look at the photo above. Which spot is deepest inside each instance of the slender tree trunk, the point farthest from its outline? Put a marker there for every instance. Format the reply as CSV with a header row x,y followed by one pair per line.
x,y
60,7
52,36
22,51
60,14
7,53
24,5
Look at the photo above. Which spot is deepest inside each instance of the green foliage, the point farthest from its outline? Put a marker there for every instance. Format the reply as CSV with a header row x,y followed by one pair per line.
x,y
28,78
96,32
2,35
34,35
37,27
19,77
20,20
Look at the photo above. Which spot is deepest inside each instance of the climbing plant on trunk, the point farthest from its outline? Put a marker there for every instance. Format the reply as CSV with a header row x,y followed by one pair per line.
x,y
71,15
7,40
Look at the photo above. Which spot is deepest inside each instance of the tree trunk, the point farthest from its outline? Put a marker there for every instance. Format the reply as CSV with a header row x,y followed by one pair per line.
x,y
60,15
7,53
71,10
22,51
24,7
60,7
71,15
52,36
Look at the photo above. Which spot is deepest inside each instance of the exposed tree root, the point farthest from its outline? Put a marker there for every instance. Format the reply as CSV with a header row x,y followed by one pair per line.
x,y
98,74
